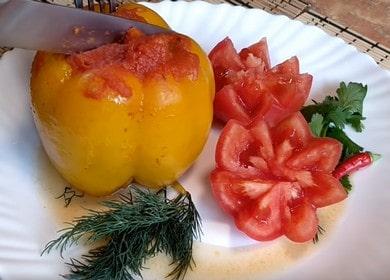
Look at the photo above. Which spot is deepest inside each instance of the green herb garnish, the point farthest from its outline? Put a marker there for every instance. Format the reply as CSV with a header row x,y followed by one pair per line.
x,y
346,183
350,148
320,231
338,111
329,117
317,124
68,195
134,228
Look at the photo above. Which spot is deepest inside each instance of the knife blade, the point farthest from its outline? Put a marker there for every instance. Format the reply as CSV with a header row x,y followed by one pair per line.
x,y
40,26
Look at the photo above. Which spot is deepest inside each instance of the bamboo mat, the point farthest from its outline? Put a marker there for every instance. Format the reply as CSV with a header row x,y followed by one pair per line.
x,y
297,9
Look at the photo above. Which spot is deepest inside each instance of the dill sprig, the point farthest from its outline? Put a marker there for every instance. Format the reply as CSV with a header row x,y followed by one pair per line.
x,y
320,231
68,195
134,228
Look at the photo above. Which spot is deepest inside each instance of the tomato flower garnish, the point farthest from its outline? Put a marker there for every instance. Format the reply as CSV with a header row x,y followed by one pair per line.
x,y
272,179
248,87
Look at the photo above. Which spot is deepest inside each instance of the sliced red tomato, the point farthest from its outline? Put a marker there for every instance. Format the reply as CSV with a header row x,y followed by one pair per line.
x,y
261,220
225,61
228,200
320,154
251,91
325,191
271,180
300,222
235,141
295,129
224,55
273,94
291,91
261,133
289,66
228,105
235,192
256,55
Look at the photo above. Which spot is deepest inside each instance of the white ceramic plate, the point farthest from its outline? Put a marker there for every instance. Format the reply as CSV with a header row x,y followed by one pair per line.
x,y
356,248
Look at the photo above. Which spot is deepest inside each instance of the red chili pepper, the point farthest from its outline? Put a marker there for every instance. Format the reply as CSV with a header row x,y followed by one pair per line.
x,y
354,163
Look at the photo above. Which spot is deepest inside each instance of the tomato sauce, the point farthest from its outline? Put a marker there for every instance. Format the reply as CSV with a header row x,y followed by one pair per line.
x,y
144,56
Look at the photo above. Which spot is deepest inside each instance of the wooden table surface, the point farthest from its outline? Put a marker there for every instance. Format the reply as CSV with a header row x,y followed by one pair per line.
x,y
371,18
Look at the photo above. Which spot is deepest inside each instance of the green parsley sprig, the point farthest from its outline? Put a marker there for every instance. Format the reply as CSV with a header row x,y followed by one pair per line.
x,y
329,118
337,111
133,229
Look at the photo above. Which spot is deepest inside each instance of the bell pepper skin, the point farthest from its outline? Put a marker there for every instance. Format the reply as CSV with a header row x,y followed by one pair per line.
x,y
110,122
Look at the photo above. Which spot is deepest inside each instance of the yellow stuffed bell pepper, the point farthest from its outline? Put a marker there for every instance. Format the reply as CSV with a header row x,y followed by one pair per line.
x,y
137,110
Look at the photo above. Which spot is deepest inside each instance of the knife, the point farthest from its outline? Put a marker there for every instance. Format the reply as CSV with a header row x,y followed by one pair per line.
x,y
40,26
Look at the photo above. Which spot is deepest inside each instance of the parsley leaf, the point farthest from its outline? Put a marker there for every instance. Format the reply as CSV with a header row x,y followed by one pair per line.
x,y
355,122
351,97
349,147
338,117
346,183
317,124
344,109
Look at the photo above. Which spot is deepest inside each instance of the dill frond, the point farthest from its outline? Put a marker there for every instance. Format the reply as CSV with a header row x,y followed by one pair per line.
x,y
134,228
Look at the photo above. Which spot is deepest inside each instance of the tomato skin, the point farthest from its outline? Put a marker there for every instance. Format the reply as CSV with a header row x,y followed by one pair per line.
x,y
289,66
272,93
272,180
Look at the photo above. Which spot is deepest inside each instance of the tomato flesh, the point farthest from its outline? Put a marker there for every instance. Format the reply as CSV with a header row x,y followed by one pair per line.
x,y
325,191
301,223
271,180
224,59
233,143
227,98
144,56
256,55
229,201
321,154
262,220
295,129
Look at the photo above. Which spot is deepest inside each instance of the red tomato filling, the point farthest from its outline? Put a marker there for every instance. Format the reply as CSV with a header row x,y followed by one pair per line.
x,y
145,56
272,179
247,87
